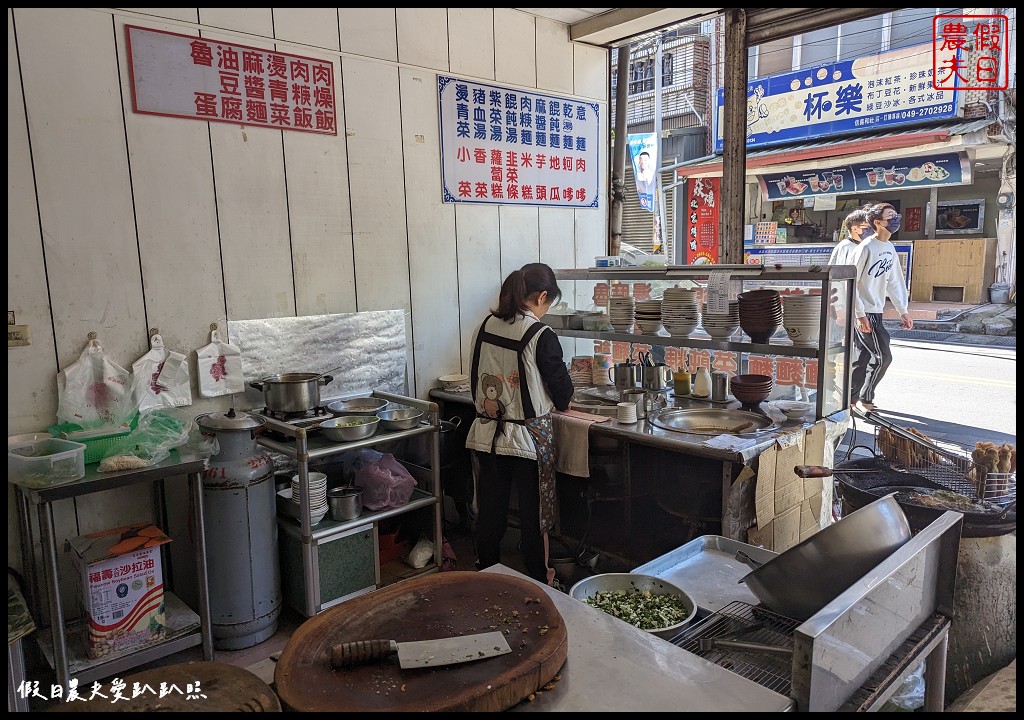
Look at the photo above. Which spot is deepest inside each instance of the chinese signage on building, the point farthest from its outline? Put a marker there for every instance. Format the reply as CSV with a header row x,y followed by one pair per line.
x,y
971,52
500,145
702,208
882,90
895,174
203,79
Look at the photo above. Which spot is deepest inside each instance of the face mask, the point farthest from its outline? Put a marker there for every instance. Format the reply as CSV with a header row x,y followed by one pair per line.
x,y
894,224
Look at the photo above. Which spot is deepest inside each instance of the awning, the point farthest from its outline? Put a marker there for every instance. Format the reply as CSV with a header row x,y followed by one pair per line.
x,y
819,154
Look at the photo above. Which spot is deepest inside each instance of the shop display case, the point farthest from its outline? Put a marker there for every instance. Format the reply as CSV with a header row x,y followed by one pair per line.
x,y
823,370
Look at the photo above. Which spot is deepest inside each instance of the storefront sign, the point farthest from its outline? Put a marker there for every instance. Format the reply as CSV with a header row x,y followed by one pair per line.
x,y
702,208
895,174
869,93
804,255
508,146
202,79
954,65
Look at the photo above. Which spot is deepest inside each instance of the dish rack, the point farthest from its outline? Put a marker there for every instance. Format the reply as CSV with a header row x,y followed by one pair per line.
x,y
949,464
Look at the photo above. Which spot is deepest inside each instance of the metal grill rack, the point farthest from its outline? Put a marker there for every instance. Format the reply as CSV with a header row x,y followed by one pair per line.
x,y
949,464
746,625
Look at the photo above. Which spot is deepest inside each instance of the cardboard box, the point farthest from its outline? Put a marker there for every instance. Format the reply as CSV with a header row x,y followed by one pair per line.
x,y
121,587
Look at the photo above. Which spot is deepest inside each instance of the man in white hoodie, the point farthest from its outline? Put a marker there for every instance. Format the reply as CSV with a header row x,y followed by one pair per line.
x,y
879,276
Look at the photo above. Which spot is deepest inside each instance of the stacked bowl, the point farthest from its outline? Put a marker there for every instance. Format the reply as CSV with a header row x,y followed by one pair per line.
x,y
721,326
648,316
317,495
801,316
751,389
760,313
622,313
680,313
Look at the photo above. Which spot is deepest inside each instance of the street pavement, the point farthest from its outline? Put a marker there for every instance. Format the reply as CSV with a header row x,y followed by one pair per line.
x,y
949,380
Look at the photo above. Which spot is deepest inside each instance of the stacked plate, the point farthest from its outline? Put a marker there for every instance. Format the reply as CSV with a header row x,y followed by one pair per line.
x,y
317,496
721,326
622,313
680,313
801,316
760,313
648,316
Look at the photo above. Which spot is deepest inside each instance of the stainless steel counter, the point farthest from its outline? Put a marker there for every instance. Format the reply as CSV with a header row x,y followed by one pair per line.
x,y
642,432
615,667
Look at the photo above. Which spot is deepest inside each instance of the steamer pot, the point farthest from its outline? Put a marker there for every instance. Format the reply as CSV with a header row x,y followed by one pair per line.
x,y
292,392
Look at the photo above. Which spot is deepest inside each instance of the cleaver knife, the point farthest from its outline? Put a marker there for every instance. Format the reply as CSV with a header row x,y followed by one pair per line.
x,y
422,653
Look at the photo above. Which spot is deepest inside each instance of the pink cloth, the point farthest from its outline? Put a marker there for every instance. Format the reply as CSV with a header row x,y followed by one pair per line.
x,y
572,441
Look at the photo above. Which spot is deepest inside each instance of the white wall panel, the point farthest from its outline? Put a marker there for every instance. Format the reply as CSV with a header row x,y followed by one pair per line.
x,y
432,249
369,31
520,239
254,21
32,367
558,250
76,127
185,14
309,26
590,68
554,57
419,37
320,218
176,217
515,44
480,276
471,42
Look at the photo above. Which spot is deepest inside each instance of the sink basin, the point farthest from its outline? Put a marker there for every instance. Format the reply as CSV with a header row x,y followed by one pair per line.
x,y
711,421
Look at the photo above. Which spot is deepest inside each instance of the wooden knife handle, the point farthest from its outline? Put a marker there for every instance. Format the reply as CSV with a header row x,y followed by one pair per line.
x,y
812,471
359,652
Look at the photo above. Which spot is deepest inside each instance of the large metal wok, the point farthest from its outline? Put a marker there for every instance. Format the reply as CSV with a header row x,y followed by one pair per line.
x,y
802,580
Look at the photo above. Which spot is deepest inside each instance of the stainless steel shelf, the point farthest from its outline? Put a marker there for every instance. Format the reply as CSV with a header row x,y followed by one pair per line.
x,y
696,341
327,528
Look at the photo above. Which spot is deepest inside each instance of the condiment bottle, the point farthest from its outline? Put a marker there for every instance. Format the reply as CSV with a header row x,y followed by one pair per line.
x,y
701,383
681,381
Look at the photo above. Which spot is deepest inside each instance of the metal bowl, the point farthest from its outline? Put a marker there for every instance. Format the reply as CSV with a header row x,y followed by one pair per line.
x,y
337,429
357,406
636,582
400,418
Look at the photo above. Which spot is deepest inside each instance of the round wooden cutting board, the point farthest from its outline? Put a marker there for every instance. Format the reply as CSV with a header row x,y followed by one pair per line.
x,y
428,607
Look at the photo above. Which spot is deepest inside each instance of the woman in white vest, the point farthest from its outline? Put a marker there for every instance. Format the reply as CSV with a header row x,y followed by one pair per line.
x,y
518,377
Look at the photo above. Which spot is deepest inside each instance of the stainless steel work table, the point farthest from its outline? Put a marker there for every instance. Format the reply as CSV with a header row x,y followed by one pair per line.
x,y
182,632
614,667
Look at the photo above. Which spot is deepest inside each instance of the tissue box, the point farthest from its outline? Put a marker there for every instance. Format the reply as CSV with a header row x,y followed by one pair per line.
x,y
121,587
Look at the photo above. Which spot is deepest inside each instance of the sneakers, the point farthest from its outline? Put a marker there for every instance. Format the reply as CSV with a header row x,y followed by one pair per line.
x,y
864,407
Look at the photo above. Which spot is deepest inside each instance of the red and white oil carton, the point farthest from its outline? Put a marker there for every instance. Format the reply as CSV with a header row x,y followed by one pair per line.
x,y
121,587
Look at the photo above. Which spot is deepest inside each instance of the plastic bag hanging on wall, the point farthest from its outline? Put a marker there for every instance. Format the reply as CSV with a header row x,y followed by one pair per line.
x,y
94,390
220,367
160,378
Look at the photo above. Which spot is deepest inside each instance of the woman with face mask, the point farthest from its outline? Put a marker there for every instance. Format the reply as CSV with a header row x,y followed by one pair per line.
x,y
879,276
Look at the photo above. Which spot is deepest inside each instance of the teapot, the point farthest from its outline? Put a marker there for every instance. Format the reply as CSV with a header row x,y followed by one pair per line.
x,y
701,383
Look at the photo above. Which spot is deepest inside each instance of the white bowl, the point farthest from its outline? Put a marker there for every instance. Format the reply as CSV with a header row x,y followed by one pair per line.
x,y
793,409
454,382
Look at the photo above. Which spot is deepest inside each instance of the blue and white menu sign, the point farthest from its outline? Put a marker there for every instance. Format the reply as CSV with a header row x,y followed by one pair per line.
x,y
514,147
869,93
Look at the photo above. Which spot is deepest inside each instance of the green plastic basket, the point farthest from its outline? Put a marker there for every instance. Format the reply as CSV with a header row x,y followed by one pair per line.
x,y
95,447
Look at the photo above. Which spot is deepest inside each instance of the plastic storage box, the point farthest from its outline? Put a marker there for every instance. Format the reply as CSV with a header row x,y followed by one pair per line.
x,y
50,461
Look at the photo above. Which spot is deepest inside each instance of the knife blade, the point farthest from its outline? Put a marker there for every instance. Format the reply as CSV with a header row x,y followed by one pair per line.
x,y
420,653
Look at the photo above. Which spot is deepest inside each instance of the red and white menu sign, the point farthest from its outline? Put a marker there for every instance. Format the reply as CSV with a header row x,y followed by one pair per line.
x,y
203,79
702,220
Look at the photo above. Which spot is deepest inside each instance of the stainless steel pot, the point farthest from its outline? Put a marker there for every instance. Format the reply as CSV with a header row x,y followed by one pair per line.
x,y
292,392
802,580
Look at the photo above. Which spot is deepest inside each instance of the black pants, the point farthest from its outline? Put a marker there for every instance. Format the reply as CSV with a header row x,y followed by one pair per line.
x,y
496,477
872,359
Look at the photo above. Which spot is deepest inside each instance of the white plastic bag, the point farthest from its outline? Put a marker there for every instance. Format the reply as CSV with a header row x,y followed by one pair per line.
x,y
422,553
94,390
160,378
220,368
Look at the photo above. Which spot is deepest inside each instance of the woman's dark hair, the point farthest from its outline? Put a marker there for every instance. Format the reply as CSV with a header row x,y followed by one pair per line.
x,y
530,279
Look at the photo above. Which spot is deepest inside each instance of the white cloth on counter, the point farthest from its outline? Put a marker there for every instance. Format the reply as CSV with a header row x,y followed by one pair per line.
x,y
729,442
572,441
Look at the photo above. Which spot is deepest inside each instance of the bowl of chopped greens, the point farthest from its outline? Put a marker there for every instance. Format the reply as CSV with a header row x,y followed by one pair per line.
x,y
644,601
